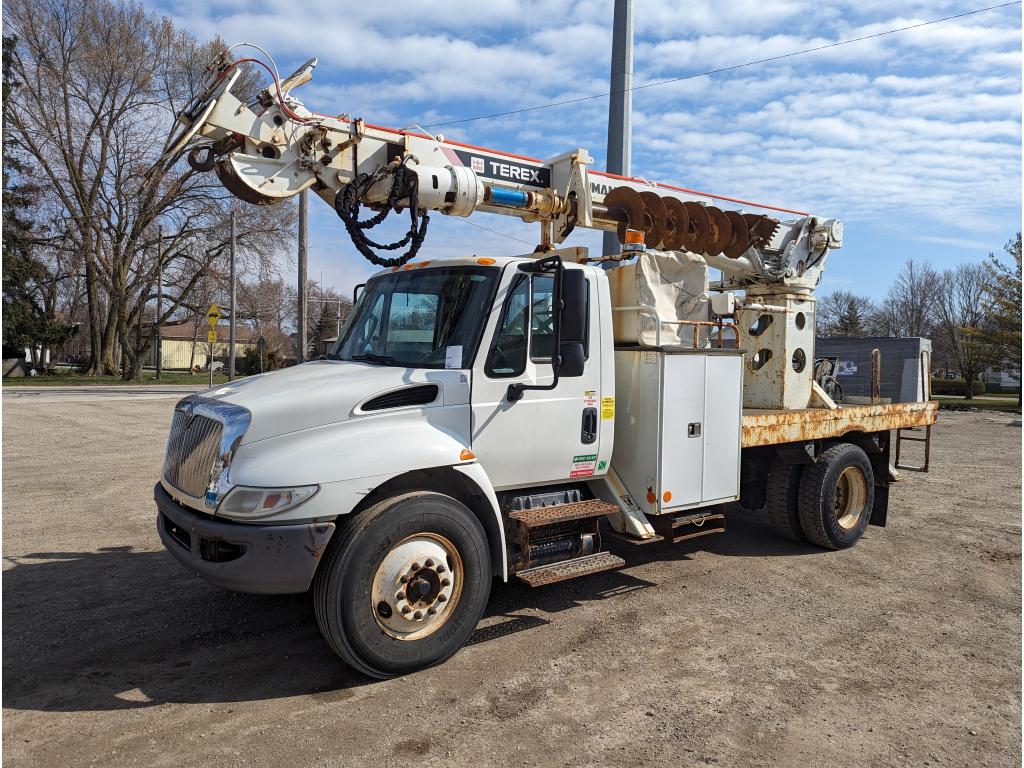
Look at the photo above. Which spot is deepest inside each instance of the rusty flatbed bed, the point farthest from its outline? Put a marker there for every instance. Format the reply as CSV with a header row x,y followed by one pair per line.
x,y
774,427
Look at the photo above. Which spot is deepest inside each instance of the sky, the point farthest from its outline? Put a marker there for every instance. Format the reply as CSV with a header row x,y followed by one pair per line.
x,y
913,139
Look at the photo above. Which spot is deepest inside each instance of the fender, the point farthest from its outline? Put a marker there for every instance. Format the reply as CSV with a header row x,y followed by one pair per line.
x,y
476,474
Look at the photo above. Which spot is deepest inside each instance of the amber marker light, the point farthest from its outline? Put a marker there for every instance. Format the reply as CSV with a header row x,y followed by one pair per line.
x,y
466,455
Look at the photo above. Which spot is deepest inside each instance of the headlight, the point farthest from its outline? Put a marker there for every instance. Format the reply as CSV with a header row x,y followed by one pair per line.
x,y
255,503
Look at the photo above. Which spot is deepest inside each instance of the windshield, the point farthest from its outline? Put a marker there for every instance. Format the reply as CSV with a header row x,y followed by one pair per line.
x,y
422,318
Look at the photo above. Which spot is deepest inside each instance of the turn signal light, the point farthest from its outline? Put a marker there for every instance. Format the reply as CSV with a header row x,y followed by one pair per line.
x,y
466,455
666,496
485,260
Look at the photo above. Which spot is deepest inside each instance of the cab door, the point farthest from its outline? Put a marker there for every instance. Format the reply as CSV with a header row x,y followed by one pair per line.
x,y
548,435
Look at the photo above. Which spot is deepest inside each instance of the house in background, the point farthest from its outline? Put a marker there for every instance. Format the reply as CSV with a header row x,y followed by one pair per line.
x,y
180,338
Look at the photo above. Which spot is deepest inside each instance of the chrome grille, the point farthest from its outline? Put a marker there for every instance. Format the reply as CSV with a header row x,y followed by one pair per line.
x,y
191,451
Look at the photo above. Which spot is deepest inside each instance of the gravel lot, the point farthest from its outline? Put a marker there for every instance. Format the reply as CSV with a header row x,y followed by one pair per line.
x,y
736,650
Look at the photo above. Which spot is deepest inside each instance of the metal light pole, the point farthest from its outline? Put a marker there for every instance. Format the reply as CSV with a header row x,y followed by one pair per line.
x,y
159,301
231,307
620,103
303,216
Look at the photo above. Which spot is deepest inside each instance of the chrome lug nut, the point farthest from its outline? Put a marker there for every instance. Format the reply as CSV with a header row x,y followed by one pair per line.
x,y
418,615
403,578
415,566
400,596
406,609
441,598
440,569
431,610
444,582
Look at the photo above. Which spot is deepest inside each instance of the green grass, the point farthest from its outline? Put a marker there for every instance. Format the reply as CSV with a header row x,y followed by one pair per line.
x,y
993,402
78,380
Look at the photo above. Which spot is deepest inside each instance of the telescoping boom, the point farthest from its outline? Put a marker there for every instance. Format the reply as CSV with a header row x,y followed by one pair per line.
x,y
273,147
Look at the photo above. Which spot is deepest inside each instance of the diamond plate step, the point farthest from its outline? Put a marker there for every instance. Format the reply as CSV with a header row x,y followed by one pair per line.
x,y
570,569
560,513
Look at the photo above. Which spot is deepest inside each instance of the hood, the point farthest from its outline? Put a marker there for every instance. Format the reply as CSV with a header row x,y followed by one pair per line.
x,y
324,392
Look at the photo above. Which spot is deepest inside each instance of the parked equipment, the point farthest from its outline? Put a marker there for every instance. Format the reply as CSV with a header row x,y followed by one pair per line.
x,y
490,417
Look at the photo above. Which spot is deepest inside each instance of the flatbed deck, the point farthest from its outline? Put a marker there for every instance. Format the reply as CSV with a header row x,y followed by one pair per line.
x,y
775,427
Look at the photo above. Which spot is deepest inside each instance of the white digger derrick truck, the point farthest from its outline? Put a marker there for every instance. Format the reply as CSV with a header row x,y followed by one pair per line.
x,y
488,417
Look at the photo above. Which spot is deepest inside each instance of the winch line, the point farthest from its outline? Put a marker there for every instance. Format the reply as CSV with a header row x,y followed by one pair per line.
x,y
720,70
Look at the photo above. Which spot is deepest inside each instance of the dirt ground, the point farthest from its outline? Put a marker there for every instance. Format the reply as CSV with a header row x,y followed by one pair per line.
x,y
734,650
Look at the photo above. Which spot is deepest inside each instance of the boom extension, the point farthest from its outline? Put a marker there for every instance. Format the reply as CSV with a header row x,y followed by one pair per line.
x,y
273,147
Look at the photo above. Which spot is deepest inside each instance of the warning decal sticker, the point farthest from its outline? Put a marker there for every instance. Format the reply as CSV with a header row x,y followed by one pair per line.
x,y
583,466
607,407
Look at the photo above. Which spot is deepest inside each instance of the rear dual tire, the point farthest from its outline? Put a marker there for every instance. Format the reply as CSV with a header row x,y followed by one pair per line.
x,y
828,503
403,585
837,494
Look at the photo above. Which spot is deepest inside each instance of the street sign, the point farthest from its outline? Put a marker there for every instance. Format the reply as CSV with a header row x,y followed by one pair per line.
x,y
211,337
213,315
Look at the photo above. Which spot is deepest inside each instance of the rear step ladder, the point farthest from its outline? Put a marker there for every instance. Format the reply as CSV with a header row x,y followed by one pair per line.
x,y
927,440
543,535
926,394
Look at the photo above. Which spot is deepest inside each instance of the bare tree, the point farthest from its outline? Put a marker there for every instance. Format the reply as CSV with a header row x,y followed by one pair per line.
x,y
101,82
961,312
842,313
909,305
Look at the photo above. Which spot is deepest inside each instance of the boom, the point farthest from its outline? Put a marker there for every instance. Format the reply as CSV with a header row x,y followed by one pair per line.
x,y
272,148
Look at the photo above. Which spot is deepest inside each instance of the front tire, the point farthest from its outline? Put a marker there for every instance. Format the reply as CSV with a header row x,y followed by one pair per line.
x,y
404,584
837,494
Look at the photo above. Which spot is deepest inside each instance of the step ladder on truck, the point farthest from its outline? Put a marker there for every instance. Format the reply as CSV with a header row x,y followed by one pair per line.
x,y
497,416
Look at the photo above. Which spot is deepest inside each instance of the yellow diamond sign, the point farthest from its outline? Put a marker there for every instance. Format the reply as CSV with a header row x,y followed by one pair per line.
x,y
213,315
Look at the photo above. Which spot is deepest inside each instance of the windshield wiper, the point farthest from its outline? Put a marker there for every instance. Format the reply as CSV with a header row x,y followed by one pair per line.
x,y
371,357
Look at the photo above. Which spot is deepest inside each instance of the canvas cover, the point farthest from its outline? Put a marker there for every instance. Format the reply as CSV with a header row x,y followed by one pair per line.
x,y
675,284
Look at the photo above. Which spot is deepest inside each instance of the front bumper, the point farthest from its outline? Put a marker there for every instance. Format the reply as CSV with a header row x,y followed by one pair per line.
x,y
265,559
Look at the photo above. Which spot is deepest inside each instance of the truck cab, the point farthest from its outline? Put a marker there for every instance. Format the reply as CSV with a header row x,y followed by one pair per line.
x,y
441,394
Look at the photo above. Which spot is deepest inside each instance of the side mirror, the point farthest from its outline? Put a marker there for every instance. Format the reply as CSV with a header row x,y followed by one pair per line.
x,y
573,319
572,361
572,323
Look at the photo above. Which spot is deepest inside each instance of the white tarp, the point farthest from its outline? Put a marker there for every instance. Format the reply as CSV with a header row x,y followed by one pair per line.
x,y
674,284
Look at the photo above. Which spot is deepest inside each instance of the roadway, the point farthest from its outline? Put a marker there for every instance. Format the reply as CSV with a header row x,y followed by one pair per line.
x,y
100,392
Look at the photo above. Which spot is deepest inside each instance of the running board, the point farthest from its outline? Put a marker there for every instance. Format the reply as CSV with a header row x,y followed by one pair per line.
x,y
570,569
690,525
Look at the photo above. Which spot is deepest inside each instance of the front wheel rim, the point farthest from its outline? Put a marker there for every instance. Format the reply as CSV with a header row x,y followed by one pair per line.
x,y
417,586
851,498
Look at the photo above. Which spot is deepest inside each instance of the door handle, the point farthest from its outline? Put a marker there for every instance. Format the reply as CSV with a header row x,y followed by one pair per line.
x,y
589,431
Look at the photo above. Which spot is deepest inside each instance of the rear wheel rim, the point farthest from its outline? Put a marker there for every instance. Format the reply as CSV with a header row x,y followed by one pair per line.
x,y
850,498
417,586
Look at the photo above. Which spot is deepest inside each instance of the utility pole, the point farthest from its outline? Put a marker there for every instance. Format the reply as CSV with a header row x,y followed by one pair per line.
x,y
231,307
159,300
620,103
302,277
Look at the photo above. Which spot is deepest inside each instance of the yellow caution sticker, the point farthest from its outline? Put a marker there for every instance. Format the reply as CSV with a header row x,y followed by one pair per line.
x,y
607,407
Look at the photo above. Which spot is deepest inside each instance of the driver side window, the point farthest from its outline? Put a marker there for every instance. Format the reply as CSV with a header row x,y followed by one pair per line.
x,y
508,353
